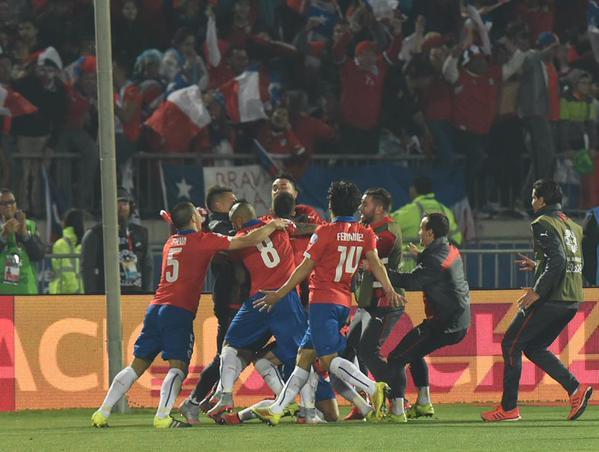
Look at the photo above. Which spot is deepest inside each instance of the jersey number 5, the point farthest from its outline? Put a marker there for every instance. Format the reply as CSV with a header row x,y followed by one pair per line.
x,y
269,254
349,259
171,261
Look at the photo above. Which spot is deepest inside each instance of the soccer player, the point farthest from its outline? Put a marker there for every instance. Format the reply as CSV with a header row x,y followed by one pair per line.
x,y
168,323
227,295
270,263
333,255
548,307
382,318
439,273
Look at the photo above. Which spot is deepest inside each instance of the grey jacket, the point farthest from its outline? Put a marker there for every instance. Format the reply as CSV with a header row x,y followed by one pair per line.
x,y
533,96
440,275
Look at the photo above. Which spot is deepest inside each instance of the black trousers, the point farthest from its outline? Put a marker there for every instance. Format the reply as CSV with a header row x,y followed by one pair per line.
x,y
366,343
531,332
211,373
419,342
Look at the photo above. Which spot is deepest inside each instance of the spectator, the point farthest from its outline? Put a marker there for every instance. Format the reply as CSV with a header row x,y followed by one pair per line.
x,y
409,217
181,64
38,132
590,246
219,136
279,140
127,109
236,62
80,136
146,74
362,81
66,271
20,248
135,262
128,32
578,114
311,132
476,84
28,35
538,105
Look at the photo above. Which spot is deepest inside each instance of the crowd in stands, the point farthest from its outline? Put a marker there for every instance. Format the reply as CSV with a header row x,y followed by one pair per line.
x,y
506,88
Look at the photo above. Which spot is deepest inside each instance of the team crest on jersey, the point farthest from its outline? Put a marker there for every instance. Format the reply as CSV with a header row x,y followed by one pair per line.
x,y
313,239
570,241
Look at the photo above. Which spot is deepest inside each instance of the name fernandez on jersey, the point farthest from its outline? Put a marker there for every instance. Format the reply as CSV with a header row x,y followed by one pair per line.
x,y
350,237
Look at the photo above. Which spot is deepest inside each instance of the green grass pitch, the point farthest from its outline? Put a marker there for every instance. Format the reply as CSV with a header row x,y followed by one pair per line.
x,y
455,427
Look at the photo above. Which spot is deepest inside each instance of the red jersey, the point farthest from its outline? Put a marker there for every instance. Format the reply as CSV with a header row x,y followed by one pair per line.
x,y
270,263
337,248
475,100
185,260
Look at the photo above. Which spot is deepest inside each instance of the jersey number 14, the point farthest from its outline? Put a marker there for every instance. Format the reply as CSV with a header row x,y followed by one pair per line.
x,y
349,259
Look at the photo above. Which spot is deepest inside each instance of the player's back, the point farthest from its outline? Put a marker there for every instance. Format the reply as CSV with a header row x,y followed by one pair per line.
x,y
270,263
336,249
185,260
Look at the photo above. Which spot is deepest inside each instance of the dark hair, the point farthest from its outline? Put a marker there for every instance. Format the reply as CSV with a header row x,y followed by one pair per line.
x,y
549,190
214,193
6,56
422,185
344,198
288,177
381,196
283,205
438,223
6,191
181,35
182,214
74,218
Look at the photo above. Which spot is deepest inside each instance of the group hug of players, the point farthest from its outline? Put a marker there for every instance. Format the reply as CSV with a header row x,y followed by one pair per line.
x,y
299,348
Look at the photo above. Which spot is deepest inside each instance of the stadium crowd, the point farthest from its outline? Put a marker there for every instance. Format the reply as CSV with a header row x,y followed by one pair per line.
x,y
505,87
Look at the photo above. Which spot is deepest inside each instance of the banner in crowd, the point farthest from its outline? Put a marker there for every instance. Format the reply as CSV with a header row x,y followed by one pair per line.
x,y
249,182
53,352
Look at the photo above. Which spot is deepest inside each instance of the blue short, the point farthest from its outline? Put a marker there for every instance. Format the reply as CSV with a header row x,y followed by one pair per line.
x,y
286,322
324,390
167,329
324,330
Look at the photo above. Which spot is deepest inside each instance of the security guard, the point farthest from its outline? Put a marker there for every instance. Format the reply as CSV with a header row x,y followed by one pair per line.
x,y
547,308
410,215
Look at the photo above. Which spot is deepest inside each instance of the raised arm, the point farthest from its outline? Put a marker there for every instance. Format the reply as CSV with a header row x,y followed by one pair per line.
x,y
257,235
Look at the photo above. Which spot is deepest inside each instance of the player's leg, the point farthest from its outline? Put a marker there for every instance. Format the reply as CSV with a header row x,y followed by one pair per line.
x,y
298,378
558,315
199,399
380,326
147,346
247,327
348,392
176,328
327,321
326,402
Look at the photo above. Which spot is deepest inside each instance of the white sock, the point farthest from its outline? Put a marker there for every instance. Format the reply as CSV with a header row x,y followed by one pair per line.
x,y
308,391
247,414
424,395
269,372
350,374
120,385
351,395
296,381
397,406
169,391
229,368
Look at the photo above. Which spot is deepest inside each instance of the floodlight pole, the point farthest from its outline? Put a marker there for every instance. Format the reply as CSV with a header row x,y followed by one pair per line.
x,y
109,203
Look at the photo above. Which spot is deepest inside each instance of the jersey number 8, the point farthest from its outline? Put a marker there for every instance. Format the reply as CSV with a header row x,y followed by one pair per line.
x,y
350,259
269,254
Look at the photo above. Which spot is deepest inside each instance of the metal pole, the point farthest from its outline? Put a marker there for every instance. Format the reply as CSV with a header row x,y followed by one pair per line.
x,y
109,203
